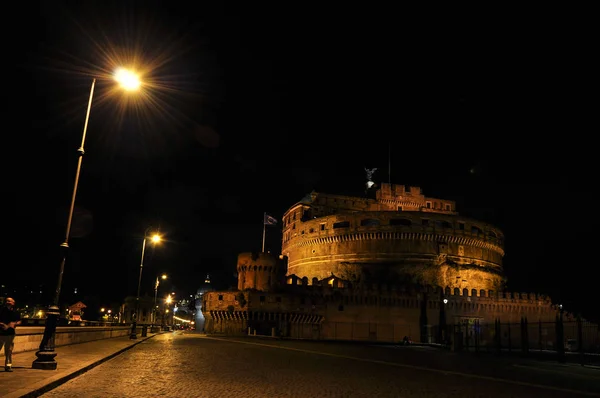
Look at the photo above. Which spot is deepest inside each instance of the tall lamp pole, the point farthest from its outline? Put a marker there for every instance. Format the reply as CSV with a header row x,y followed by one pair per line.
x,y
163,276
46,353
155,238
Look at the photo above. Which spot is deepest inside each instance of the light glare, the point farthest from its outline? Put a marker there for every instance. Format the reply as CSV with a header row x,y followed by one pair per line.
x,y
127,79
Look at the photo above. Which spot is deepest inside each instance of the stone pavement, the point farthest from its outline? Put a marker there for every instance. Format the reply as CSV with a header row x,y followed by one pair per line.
x,y
72,361
76,359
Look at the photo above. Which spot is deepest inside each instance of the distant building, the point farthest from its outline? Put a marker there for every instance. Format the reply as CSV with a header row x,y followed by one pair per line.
x,y
199,316
75,311
144,307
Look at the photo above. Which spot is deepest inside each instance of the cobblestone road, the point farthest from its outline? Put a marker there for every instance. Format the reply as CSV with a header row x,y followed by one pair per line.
x,y
192,365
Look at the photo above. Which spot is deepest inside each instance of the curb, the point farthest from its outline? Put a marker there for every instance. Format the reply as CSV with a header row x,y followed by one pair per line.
x,y
36,392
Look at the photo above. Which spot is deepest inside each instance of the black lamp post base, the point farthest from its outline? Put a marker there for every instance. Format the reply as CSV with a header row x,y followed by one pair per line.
x,y
133,334
45,355
45,360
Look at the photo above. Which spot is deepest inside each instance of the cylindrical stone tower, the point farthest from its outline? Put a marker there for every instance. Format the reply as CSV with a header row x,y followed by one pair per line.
x,y
400,236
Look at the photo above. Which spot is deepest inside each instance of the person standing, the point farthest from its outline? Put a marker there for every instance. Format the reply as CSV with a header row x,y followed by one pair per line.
x,y
9,319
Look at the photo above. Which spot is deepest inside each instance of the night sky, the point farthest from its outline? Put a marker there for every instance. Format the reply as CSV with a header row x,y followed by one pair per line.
x,y
251,107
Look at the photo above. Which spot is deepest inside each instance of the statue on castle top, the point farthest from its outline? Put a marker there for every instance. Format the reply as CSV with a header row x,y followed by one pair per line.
x,y
370,172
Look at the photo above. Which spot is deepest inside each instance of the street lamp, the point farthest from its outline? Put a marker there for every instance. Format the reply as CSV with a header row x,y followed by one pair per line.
x,y
155,239
45,355
168,301
442,332
163,277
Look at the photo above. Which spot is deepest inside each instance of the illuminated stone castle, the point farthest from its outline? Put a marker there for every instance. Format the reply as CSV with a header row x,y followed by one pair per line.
x,y
400,236
352,268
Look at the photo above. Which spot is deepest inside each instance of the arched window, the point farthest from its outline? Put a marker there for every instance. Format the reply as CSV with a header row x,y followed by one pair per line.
x,y
400,221
442,224
341,224
369,222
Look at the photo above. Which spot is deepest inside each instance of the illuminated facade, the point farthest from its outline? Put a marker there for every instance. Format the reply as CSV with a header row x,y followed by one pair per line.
x,y
380,269
399,236
269,303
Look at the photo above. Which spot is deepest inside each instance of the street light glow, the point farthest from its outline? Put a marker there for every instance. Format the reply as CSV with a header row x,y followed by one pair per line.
x,y
163,277
127,79
156,238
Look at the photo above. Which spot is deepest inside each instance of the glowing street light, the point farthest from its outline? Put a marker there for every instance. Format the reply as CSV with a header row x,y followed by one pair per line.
x,y
129,80
46,353
163,277
155,239
168,302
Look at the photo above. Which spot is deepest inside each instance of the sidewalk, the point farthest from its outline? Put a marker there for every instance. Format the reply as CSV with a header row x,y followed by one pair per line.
x,y
72,360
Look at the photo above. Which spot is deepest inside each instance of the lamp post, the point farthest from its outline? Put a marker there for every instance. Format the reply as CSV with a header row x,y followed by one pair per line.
x,y
46,353
442,332
155,239
168,301
163,277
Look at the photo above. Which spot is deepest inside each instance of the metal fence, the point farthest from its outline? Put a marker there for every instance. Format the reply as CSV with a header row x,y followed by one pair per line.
x,y
563,340
572,341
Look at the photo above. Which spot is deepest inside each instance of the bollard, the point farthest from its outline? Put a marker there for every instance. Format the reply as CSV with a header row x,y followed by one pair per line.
x,y
144,331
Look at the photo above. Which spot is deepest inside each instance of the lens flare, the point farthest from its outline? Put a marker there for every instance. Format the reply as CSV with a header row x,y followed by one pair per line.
x,y
152,84
129,80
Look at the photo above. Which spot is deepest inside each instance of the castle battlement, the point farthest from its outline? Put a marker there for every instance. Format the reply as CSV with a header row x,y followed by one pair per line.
x,y
341,287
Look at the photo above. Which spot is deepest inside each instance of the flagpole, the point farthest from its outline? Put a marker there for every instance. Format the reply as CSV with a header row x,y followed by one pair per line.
x,y
264,227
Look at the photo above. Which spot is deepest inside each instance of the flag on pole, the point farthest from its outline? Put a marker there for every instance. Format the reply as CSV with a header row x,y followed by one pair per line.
x,y
269,220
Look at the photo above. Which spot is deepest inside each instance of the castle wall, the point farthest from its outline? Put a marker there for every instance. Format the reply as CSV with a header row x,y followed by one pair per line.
x,y
376,314
432,255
